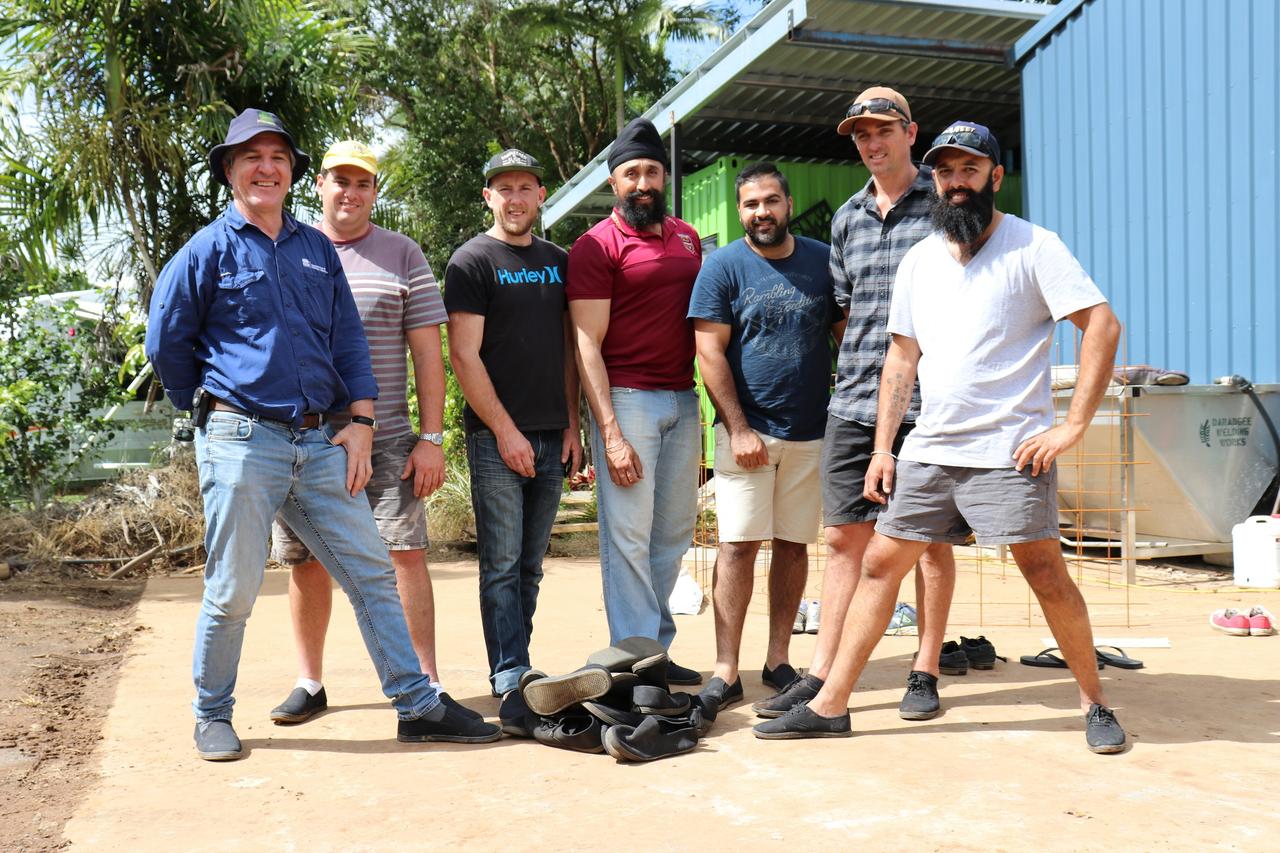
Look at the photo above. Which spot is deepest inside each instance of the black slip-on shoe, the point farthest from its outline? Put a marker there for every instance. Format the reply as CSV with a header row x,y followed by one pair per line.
x,y
779,677
721,694
551,695
953,660
654,700
799,691
677,674
217,741
654,738
980,652
623,655
574,730
460,708
800,722
611,716
920,702
453,727
299,707
514,716
1102,730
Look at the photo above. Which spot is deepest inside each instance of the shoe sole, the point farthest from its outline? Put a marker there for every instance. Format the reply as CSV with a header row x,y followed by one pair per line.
x,y
1261,632
1234,632
221,755
516,730
497,735
279,717
809,630
1110,749
956,670
798,735
919,715
767,713
548,696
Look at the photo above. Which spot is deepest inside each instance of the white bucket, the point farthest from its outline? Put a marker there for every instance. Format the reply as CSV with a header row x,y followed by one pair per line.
x,y
1256,546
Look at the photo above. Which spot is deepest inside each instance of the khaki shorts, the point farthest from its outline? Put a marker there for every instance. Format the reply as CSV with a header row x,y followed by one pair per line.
x,y
402,522
780,500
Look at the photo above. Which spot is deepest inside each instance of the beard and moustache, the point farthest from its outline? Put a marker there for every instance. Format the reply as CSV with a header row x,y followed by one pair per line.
x,y
963,223
639,215
764,240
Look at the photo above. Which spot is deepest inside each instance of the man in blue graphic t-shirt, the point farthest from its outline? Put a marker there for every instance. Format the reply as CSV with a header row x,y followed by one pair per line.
x,y
764,314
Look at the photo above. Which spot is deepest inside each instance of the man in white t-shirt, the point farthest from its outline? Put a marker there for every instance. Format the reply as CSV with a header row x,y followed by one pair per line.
x,y
974,309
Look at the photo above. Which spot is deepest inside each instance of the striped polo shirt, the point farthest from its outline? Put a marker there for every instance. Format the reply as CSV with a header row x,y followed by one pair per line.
x,y
395,291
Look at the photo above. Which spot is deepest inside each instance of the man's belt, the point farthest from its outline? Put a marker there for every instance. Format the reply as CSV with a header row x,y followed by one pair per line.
x,y
309,421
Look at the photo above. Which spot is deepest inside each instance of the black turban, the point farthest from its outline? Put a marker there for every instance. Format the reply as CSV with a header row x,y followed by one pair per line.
x,y
638,139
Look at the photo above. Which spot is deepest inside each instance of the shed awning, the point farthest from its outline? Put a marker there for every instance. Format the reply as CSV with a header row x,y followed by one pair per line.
x,y
779,85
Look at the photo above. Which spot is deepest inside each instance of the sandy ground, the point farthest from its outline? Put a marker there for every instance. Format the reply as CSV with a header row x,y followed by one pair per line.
x,y
1005,767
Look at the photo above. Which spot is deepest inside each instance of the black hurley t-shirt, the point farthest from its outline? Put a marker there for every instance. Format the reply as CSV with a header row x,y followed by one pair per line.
x,y
520,292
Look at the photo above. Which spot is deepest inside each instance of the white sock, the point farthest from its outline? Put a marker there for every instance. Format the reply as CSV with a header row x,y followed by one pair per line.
x,y
311,686
437,687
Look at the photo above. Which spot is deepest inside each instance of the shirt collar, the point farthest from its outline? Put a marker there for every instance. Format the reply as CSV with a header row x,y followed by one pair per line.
x,y
237,221
923,183
622,225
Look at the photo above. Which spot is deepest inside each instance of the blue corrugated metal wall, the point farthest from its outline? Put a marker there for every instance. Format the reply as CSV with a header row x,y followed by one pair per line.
x,y
1150,136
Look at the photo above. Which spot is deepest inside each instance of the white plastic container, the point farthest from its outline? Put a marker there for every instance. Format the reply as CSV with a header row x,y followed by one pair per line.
x,y
1255,543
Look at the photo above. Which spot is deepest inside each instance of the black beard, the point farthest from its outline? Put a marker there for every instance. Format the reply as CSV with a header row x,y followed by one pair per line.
x,y
779,235
964,223
639,215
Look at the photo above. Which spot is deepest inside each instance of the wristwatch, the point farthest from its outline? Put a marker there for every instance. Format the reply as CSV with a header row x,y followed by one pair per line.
x,y
436,438
371,423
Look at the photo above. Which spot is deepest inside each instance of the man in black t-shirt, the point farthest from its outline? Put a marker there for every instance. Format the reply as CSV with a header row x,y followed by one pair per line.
x,y
510,346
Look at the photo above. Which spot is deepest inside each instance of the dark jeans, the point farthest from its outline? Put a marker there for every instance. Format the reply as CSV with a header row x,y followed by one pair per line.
x,y
514,515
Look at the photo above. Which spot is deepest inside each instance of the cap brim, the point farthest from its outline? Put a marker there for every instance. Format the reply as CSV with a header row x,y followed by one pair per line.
x,y
845,128
301,160
493,173
932,153
335,162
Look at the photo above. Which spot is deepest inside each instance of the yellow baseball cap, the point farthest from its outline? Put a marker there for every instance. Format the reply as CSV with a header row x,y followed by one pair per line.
x,y
350,153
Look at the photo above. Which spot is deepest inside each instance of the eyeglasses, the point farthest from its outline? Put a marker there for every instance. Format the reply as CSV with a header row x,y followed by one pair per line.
x,y
874,105
968,139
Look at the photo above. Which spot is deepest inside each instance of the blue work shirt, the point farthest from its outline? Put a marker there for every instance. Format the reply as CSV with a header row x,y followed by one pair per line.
x,y
269,326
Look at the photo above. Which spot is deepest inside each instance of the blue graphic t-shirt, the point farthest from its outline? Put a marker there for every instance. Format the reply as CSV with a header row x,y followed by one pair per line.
x,y
780,314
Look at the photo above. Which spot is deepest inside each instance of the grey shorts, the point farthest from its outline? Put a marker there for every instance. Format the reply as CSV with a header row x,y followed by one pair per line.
x,y
945,503
846,453
402,522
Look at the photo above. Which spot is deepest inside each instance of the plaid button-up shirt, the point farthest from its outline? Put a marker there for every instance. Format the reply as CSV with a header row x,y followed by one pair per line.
x,y
865,253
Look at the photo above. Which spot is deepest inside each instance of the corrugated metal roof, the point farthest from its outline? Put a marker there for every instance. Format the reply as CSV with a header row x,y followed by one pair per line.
x,y
778,87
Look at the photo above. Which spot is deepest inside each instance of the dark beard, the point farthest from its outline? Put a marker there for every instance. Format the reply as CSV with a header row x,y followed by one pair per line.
x,y
964,223
639,215
779,235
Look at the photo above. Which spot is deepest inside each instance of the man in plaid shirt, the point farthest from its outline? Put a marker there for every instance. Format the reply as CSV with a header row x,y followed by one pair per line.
x,y
870,234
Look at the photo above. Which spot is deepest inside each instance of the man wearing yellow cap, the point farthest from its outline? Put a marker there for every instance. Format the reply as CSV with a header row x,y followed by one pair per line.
x,y
399,304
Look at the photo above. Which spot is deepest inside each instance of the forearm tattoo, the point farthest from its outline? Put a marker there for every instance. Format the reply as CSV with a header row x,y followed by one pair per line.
x,y
899,396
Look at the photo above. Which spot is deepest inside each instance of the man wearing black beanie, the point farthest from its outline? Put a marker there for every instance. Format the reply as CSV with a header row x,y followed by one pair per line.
x,y
630,278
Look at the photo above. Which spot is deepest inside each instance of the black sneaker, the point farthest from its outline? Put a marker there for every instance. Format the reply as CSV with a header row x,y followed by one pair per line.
x,y
800,722
1102,730
677,674
299,707
799,691
217,741
514,716
779,677
981,652
453,727
460,708
921,699
952,660
720,694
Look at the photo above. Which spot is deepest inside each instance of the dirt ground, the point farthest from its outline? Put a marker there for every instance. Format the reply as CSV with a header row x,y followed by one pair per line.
x,y
102,765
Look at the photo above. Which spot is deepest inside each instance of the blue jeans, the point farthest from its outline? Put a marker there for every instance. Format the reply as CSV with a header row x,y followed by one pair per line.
x,y
645,529
514,515
249,471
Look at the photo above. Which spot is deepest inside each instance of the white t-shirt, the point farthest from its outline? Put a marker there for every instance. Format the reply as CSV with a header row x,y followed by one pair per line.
x,y
984,331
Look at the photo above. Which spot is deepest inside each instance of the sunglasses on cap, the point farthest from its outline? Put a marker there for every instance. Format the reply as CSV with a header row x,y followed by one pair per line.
x,y
874,105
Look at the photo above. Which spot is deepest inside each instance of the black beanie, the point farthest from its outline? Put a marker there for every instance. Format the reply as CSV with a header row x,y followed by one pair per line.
x,y
638,139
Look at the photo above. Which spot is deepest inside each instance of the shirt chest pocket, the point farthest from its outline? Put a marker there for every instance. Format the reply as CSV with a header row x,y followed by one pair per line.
x,y
244,291
317,301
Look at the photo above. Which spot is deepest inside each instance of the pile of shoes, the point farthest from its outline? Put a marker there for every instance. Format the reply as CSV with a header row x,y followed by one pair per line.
x,y
1257,621
959,658
619,703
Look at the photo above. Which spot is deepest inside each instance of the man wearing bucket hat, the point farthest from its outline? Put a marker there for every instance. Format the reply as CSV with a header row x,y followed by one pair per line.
x,y
400,306
511,350
630,278
870,234
253,326
974,308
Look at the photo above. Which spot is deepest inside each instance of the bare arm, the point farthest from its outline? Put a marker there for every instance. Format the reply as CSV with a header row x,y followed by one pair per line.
x,y
571,449
1097,362
590,323
426,463
466,331
712,340
897,379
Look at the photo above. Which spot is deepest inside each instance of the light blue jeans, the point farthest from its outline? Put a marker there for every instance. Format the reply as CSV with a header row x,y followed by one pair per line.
x,y
645,529
249,471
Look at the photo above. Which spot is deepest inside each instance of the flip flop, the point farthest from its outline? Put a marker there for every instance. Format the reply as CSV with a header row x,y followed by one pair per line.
x,y
1047,660
1120,660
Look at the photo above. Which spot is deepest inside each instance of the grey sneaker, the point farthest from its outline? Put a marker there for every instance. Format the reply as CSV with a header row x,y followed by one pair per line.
x,y
299,707
217,741
1102,730
921,699
801,722
798,692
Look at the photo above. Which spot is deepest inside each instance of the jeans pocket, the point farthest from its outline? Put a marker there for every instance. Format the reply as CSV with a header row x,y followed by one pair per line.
x,y
228,426
328,432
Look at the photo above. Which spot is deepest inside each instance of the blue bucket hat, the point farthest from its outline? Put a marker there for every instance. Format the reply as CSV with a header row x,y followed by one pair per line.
x,y
246,126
